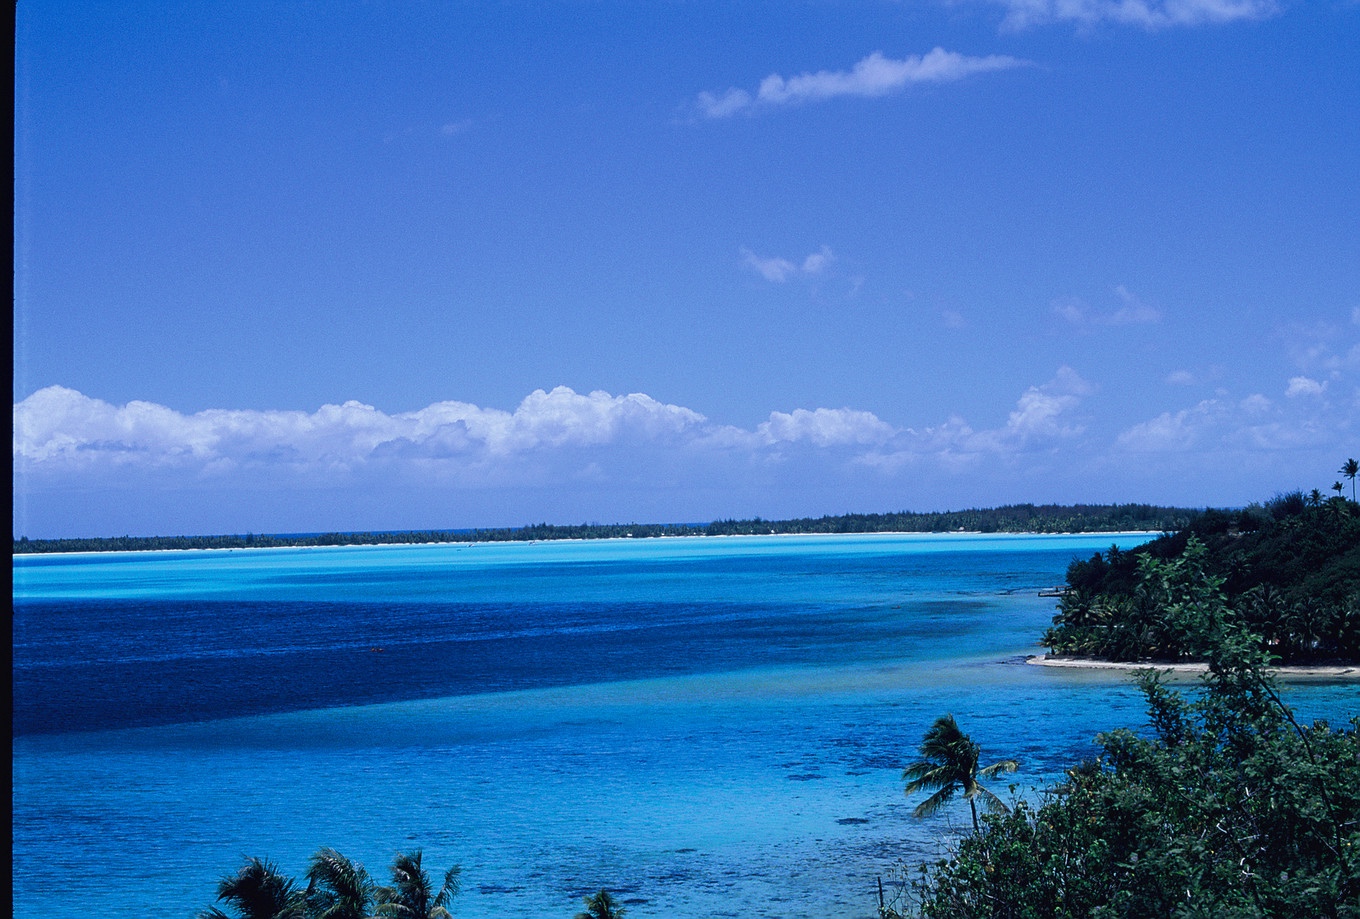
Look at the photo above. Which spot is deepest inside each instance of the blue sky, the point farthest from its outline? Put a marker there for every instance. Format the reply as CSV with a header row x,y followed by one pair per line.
x,y
291,266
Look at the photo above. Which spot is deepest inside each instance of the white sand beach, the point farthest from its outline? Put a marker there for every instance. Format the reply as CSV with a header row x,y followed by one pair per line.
x,y
1310,671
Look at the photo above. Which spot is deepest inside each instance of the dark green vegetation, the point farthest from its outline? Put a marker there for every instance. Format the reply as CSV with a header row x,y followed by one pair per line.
x,y
601,906
949,764
1016,518
1232,808
337,888
1288,571
1229,807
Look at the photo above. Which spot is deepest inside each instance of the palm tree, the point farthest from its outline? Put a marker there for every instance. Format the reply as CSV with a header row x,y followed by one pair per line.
x,y
950,764
411,895
1350,469
337,888
258,891
601,906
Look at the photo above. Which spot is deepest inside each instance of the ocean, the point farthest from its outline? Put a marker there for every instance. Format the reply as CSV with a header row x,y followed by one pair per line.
x,y
703,726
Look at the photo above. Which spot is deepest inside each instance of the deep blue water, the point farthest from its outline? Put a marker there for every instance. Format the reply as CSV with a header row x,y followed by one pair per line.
x,y
705,726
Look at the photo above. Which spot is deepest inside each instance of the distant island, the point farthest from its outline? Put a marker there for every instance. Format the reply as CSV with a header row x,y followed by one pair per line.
x,y
1012,518
1286,572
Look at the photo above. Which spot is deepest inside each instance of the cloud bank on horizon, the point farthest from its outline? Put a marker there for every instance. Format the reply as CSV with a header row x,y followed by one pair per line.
x,y
66,442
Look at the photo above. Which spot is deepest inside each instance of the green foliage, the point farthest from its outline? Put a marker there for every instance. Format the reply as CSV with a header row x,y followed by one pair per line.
x,y
1350,469
258,891
337,888
1230,809
1288,570
949,764
412,894
601,906
1020,518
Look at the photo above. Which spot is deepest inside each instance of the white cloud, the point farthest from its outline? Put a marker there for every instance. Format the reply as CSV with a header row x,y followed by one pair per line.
x,y
1042,410
1172,431
61,427
63,435
874,75
585,450
63,431
1147,14
1180,378
778,270
773,269
825,427
816,262
1304,386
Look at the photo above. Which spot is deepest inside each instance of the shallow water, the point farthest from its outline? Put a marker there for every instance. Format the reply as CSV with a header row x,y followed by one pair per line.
x,y
707,727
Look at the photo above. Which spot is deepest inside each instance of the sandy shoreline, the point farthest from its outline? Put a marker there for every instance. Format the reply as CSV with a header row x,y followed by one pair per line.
x,y
573,539
1314,671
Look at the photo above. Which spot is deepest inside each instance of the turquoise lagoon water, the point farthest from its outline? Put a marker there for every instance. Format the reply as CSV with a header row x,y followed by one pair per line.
x,y
706,726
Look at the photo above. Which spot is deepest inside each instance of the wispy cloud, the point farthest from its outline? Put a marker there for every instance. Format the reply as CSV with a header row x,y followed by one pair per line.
x,y
1253,424
874,75
778,270
1146,14
1320,405
1043,418
1130,311
953,319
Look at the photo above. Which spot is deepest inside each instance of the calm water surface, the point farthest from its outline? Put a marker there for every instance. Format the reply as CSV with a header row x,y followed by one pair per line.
x,y
707,727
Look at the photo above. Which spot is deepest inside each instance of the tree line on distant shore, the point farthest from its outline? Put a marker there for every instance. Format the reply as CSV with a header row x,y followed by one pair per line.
x,y
1013,518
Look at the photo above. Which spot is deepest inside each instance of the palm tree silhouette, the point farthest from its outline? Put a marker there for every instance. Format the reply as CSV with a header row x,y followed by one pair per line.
x,y
1350,469
601,906
411,895
258,891
337,888
949,764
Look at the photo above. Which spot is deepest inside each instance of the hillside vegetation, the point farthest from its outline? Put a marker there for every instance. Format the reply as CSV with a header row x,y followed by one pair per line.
x,y
1230,808
1287,571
